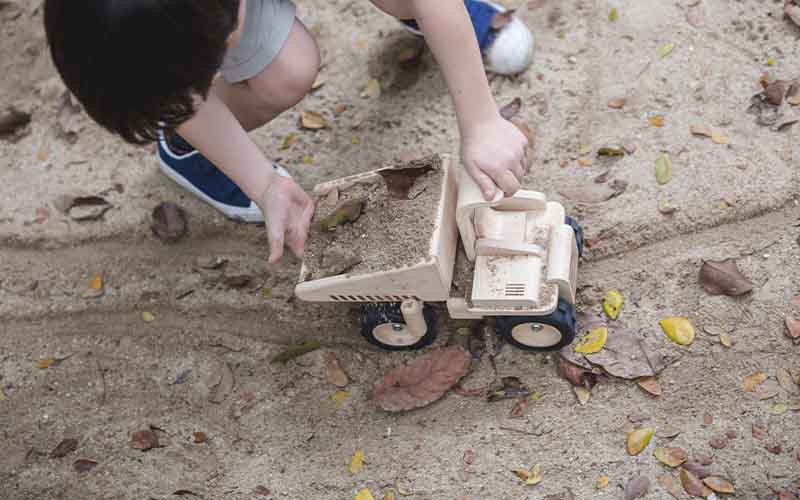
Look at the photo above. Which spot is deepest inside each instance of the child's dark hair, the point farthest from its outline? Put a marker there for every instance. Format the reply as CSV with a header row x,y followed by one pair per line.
x,y
138,65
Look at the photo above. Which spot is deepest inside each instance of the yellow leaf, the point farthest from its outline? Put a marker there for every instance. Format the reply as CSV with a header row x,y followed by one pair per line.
x,y
613,15
726,340
531,477
638,440
312,121
97,282
593,342
794,100
44,364
288,141
720,138
656,121
364,494
779,408
612,303
602,482
372,89
672,457
753,380
356,462
679,330
355,140
340,396
663,169
665,49
308,159
319,82
770,61
585,162
148,317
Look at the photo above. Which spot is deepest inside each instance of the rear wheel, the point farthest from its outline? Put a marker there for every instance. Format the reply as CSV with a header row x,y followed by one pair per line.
x,y
383,325
578,233
540,333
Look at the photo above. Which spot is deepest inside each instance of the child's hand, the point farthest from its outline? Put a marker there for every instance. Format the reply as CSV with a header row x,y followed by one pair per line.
x,y
495,154
288,211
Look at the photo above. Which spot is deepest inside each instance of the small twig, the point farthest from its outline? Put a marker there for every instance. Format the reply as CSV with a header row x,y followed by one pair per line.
x,y
102,382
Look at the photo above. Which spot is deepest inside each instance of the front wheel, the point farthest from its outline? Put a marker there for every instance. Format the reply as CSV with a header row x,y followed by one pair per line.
x,y
540,333
383,325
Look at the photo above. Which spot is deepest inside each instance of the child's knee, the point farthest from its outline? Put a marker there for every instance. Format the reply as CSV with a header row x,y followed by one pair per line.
x,y
289,78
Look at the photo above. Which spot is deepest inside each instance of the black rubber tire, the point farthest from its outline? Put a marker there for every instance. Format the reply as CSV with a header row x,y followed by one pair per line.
x,y
374,314
578,233
563,318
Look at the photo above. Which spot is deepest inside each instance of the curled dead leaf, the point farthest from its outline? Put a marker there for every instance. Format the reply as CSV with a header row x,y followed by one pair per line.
x,y
616,102
576,375
64,448
12,121
671,486
700,130
530,477
672,457
170,222
422,381
793,328
753,380
399,181
511,109
144,440
650,385
346,212
693,485
312,120
637,488
84,465
723,278
697,469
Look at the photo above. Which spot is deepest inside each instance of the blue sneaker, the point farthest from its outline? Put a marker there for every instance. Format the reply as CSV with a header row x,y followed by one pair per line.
x,y
507,51
196,174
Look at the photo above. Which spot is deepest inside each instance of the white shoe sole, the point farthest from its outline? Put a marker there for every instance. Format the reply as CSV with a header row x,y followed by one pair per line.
x,y
511,52
250,215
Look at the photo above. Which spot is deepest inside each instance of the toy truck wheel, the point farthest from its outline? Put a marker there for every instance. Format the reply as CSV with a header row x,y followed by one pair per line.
x,y
540,333
383,325
578,233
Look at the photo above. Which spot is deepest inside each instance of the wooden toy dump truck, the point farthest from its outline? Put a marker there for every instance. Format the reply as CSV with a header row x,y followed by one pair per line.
x,y
401,239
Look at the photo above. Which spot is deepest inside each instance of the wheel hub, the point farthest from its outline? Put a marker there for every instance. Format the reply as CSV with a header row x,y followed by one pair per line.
x,y
536,334
394,334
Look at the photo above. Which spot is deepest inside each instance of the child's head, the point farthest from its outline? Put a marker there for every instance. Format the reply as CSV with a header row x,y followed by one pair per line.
x,y
136,64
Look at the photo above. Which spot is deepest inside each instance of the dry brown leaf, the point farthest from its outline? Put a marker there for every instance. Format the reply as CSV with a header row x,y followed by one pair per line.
x,y
399,181
670,485
629,356
335,374
144,440
767,390
637,488
786,381
170,222
695,14
793,328
672,457
656,121
700,130
312,120
511,109
468,457
719,485
576,375
774,447
723,278
718,441
693,485
200,437
502,19
650,385
583,394
12,121
594,193
638,440
784,494
707,419
64,448
508,388
760,430
704,460
520,407
720,138
697,469
616,102
422,381
84,465
753,380
601,483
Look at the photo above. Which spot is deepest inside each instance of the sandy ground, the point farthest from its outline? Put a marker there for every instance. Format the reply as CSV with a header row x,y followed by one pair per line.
x,y
278,427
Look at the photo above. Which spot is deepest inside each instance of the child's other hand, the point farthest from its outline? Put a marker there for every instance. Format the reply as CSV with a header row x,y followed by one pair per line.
x,y
288,211
495,155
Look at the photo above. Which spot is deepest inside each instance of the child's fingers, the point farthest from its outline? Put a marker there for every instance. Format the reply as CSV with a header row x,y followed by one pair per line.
x,y
486,185
276,240
508,182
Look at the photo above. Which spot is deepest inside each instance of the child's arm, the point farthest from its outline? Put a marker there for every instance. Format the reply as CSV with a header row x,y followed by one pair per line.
x,y
216,133
492,149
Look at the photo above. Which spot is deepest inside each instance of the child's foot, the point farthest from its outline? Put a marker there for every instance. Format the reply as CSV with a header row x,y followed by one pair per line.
x,y
506,51
186,166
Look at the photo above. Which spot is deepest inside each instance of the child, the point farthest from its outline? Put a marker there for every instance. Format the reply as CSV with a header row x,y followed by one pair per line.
x,y
147,70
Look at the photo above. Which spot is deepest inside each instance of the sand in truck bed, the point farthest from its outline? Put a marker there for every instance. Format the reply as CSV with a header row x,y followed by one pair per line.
x,y
390,233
